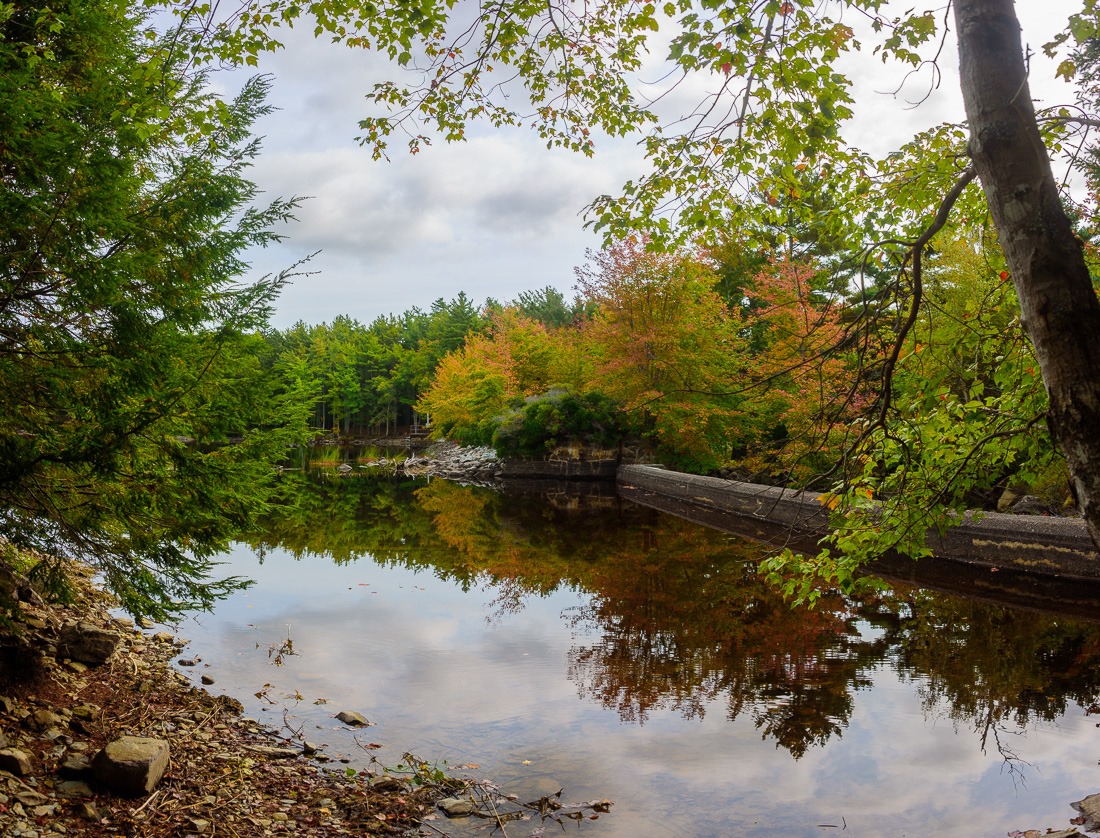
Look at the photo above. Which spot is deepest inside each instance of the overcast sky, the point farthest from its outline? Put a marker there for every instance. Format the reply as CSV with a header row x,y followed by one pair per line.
x,y
496,215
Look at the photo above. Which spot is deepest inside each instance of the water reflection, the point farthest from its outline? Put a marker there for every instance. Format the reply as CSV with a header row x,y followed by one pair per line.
x,y
676,618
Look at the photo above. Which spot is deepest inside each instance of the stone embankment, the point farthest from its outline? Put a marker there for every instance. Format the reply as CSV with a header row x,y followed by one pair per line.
x,y
1030,543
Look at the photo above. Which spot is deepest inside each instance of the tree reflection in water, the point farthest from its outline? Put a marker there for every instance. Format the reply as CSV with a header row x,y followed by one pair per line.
x,y
677,619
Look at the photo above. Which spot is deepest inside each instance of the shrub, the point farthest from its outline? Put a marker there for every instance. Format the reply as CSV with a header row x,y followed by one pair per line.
x,y
543,423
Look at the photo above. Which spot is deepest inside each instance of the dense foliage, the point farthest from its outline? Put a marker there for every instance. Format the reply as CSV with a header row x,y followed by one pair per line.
x,y
129,351
770,298
761,150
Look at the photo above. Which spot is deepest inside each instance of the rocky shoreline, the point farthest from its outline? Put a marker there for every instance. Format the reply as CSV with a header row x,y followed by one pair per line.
x,y
69,729
469,466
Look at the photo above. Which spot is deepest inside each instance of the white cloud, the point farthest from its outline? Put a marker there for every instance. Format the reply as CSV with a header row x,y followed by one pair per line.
x,y
498,214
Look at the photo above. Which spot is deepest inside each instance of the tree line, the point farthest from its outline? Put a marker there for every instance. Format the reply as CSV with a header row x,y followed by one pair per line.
x,y
768,291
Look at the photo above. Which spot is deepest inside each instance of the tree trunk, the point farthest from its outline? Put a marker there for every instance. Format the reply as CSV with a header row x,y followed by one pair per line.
x,y
1060,310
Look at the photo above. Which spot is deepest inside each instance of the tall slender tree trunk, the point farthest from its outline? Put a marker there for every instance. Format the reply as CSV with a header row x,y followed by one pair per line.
x,y
1060,310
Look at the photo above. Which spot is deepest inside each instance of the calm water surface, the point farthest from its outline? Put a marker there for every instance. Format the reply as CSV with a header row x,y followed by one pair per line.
x,y
595,645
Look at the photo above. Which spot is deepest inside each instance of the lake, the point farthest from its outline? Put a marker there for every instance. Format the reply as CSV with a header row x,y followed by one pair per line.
x,y
587,643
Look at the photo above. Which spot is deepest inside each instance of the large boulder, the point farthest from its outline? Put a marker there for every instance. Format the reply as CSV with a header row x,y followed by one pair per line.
x,y
87,643
131,765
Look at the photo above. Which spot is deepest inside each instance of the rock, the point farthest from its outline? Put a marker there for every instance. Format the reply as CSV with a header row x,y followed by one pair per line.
x,y
30,596
1090,810
1007,498
207,680
350,717
87,811
309,749
456,807
6,705
42,720
145,623
87,643
86,712
387,782
187,662
164,637
230,704
29,797
15,762
273,752
74,765
73,788
131,765
1029,505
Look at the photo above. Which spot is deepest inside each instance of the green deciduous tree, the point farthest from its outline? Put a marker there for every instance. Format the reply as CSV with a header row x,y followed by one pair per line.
x,y
127,348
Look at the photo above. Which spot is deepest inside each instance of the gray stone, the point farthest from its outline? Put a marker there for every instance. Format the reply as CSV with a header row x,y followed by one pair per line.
x,y
29,797
42,720
387,782
350,717
74,764
273,752
87,643
15,762
187,661
73,788
456,807
207,680
1029,505
131,765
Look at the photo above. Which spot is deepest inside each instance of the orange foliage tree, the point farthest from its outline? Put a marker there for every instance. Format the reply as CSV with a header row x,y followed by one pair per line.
x,y
665,345
808,388
477,383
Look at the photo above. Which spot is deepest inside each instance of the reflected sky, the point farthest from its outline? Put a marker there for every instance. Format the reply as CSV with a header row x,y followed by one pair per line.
x,y
460,649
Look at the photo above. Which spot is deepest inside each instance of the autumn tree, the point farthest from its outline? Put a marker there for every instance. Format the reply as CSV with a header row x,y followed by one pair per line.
x,y
808,391
666,346
474,385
